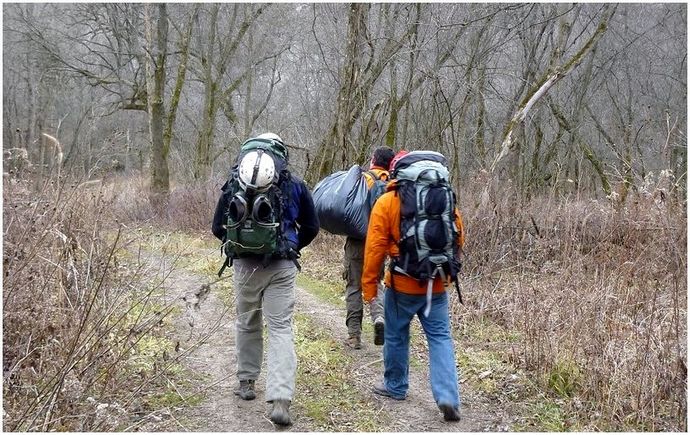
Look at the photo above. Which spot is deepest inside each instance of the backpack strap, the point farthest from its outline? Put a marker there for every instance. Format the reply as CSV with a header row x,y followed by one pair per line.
x,y
374,176
457,287
286,194
293,255
226,263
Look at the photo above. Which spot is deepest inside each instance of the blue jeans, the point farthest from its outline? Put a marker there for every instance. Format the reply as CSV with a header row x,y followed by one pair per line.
x,y
399,309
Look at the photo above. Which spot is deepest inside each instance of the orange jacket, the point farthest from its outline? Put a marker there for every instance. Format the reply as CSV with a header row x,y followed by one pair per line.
x,y
378,171
382,239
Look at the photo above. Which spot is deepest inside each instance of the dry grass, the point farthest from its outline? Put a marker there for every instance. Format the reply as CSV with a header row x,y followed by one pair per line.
x,y
189,207
323,259
597,292
82,349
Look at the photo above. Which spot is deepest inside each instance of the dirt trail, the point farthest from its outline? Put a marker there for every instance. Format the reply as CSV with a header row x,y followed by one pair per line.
x,y
208,319
213,366
418,412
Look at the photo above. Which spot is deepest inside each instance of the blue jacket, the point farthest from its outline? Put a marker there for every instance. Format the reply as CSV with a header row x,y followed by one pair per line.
x,y
299,217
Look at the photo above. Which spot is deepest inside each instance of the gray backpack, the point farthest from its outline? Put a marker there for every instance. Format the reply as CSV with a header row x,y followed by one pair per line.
x,y
428,245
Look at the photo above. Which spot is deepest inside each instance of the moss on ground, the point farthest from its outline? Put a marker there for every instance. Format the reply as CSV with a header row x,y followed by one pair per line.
x,y
483,330
546,415
565,378
325,395
171,398
324,291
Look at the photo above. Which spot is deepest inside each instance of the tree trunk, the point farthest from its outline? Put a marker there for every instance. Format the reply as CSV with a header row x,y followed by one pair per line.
x,y
334,147
179,81
155,87
206,133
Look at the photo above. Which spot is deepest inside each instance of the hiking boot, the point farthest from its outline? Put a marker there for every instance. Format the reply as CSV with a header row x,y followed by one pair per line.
x,y
354,341
381,390
378,331
246,390
279,413
450,413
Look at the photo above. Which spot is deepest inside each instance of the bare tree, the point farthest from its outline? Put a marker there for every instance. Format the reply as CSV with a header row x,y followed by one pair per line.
x,y
104,45
542,86
223,73
547,92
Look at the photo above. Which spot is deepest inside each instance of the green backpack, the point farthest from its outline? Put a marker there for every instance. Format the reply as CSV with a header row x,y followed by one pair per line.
x,y
254,225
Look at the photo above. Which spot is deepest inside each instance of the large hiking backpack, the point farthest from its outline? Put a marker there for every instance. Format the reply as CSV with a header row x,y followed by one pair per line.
x,y
428,245
254,225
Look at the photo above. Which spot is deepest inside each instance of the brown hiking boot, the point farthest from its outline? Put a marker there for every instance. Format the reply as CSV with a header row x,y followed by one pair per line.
x,y
450,413
354,341
246,390
280,413
381,390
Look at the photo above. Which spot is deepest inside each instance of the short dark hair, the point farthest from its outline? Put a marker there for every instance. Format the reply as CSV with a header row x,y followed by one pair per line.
x,y
382,156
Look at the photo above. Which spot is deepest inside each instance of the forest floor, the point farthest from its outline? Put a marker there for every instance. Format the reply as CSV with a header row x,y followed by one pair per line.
x,y
333,391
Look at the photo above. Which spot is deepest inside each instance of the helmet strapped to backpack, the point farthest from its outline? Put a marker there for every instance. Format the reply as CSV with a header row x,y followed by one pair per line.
x,y
257,170
396,158
258,190
428,246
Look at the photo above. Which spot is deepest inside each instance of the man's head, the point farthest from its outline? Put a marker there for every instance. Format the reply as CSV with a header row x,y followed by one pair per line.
x,y
382,157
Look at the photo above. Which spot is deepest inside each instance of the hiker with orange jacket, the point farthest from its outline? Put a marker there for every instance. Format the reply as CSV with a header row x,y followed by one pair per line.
x,y
423,263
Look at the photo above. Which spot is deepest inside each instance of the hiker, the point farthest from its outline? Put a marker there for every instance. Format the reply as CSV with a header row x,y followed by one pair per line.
x,y
422,263
353,261
264,217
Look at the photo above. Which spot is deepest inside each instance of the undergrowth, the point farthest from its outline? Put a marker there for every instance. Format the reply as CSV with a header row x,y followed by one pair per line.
x,y
590,297
83,341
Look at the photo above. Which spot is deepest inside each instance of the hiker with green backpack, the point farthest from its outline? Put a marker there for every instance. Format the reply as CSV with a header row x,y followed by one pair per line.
x,y
416,222
264,217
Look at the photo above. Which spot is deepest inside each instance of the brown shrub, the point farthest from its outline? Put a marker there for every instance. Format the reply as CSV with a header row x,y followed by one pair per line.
x,y
594,283
191,206
68,313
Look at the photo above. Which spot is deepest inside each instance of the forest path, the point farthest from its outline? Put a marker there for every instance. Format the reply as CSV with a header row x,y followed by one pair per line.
x,y
418,412
206,332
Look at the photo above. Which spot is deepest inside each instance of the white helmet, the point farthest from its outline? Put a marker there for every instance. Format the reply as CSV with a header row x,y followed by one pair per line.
x,y
257,170
270,136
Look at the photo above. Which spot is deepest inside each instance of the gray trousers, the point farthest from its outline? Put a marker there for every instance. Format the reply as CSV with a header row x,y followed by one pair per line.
x,y
269,291
354,264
